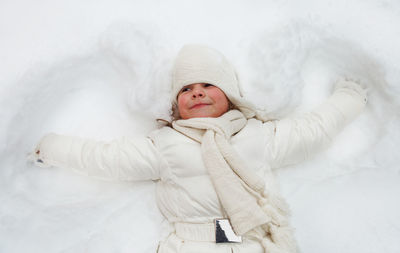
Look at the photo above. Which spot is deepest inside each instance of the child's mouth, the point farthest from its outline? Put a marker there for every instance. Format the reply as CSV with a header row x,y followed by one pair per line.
x,y
198,106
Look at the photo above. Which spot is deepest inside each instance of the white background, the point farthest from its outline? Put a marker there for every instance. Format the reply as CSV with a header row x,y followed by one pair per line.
x,y
100,69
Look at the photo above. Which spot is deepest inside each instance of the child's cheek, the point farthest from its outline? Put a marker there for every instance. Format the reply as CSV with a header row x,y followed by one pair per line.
x,y
181,101
182,104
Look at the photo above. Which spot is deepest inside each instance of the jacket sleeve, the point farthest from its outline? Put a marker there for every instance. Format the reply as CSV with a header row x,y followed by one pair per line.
x,y
295,139
121,159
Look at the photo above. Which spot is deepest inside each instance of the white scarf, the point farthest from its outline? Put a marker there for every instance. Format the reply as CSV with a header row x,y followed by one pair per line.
x,y
240,189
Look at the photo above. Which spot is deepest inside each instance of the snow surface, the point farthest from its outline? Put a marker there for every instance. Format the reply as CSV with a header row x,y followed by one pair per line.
x,y
101,69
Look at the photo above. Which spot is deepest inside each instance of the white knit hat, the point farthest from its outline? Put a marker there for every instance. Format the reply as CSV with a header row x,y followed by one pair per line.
x,y
202,64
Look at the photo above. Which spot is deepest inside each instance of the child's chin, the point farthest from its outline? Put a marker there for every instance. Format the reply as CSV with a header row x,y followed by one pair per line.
x,y
204,115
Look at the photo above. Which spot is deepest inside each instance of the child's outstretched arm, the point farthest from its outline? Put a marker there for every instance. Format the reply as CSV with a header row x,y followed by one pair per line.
x,y
122,159
296,139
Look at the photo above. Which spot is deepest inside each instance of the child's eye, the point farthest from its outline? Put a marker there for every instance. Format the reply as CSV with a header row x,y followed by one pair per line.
x,y
185,89
208,85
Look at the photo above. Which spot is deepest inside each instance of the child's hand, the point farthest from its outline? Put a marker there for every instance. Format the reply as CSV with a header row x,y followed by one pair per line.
x,y
353,84
359,81
34,158
350,82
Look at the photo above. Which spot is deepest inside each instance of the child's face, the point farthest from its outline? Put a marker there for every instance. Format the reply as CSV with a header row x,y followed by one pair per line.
x,y
202,100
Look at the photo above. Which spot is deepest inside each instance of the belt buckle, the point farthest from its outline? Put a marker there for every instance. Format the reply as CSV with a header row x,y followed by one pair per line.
x,y
224,232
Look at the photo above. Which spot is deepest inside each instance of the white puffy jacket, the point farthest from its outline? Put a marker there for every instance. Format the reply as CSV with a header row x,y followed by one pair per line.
x,y
184,189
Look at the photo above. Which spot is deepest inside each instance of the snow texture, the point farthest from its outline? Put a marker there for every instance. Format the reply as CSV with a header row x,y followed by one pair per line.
x,y
100,69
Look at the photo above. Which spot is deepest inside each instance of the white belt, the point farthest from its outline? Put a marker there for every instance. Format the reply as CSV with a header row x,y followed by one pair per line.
x,y
203,232
206,232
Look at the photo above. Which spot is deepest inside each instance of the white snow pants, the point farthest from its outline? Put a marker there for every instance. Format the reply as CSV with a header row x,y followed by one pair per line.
x,y
200,238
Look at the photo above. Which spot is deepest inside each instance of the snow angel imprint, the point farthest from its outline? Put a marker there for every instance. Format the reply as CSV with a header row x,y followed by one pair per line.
x,y
212,163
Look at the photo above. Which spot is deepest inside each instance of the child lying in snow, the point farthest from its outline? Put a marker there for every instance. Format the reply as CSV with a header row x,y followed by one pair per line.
x,y
215,160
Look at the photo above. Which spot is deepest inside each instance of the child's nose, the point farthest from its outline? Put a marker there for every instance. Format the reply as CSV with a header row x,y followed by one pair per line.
x,y
198,92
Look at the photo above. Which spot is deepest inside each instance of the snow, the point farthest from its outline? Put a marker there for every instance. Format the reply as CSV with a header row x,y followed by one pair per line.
x,y
100,69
